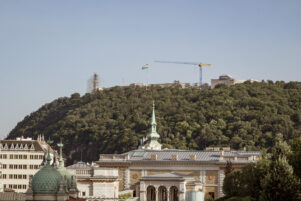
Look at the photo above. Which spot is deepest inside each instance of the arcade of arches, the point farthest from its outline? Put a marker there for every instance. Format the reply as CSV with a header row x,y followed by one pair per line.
x,y
162,193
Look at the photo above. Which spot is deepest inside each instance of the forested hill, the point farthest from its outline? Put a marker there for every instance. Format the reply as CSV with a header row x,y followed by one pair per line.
x,y
113,120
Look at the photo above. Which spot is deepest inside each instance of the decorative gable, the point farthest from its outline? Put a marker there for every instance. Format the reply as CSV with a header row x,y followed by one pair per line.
x,y
1,146
12,146
17,147
32,147
6,146
21,146
25,147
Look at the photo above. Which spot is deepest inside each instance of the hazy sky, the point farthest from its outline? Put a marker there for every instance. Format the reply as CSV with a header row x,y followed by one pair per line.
x,y
49,49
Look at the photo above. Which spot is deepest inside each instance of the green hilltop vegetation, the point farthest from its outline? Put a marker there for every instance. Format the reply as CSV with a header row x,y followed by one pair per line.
x,y
245,115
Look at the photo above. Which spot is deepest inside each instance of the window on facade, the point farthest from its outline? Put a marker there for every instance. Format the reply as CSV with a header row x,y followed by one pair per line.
x,y
15,176
24,156
30,166
19,186
84,193
24,186
19,176
15,186
10,186
11,166
25,167
0,156
4,166
20,156
4,176
11,176
4,156
36,156
15,156
15,166
20,166
11,156
40,156
24,176
31,156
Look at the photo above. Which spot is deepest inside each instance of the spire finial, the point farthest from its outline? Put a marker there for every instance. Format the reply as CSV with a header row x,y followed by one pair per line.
x,y
60,145
153,116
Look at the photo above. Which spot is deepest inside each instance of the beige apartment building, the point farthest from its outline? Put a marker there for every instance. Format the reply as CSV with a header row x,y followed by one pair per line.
x,y
20,159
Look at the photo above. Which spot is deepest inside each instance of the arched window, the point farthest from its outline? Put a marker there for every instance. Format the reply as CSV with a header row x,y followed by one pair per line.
x,y
162,196
173,194
151,193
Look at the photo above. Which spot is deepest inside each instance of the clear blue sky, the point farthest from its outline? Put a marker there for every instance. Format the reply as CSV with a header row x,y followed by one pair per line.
x,y
49,49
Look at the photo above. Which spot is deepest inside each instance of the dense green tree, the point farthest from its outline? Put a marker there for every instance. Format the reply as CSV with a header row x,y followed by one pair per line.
x,y
280,183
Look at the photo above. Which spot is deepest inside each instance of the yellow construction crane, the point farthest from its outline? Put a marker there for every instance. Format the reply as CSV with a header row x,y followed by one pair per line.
x,y
201,65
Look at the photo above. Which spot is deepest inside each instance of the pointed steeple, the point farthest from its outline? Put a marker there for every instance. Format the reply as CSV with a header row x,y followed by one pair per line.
x,y
152,136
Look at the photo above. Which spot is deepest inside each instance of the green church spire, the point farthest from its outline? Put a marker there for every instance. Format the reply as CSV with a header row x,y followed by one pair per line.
x,y
153,132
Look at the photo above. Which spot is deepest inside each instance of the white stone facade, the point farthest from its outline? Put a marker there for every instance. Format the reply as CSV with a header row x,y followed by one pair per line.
x,y
20,160
94,181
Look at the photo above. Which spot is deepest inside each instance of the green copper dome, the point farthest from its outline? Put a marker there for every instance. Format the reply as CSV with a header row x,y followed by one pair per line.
x,y
46,180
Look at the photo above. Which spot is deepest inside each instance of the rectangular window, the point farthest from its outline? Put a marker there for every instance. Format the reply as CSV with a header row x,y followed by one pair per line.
x,y
4,166
11,166
0,156
10,176
41,156
10,186
24,176
24,156
4,176
15,186
15,156
30,166
19,186
24,167
20,166
20,156
19,176
15,166
15,176
11,156
24,186
36,166
36,156
4,156
31,156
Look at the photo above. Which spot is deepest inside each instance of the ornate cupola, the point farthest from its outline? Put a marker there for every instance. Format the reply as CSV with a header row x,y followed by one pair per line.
x,y
152,137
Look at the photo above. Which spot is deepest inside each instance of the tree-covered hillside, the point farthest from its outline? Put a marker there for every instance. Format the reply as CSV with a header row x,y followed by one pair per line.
x,y
113,120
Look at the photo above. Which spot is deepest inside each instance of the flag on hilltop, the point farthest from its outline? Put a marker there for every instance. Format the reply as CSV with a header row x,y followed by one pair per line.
x,y
144,67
